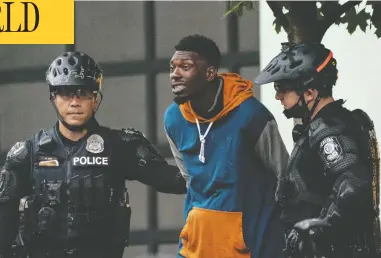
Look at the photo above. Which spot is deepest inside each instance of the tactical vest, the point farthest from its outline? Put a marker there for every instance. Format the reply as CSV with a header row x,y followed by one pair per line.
x,y
79,195
308,186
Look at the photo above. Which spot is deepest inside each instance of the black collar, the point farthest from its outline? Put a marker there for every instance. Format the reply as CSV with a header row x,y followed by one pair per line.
x,y
92,127
328,109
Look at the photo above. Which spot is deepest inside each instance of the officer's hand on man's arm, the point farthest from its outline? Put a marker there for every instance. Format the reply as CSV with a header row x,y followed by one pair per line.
x,y
308,237
150,167
12,178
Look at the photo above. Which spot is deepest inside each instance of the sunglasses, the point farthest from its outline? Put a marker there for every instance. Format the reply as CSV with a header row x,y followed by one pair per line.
x,y
82,94
284,87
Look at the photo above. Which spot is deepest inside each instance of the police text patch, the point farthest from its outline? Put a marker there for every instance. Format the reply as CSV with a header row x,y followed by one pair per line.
x,y
90,161
330,150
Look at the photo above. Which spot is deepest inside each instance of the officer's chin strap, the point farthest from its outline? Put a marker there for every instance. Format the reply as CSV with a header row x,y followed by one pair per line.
x,y
309,113
302,111
77,128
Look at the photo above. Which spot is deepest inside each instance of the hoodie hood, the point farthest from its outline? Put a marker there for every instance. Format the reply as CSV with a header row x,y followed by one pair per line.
x,y
235,89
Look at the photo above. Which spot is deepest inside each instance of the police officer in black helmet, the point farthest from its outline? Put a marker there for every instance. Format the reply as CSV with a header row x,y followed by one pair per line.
x,y
328,207
62,192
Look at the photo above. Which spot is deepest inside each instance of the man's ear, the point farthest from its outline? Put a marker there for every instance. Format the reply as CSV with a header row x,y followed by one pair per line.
x,y
310,95
211,73
97,98
97,101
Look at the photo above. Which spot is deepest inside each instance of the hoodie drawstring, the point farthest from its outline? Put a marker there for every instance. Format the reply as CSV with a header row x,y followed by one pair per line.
x,y
201,157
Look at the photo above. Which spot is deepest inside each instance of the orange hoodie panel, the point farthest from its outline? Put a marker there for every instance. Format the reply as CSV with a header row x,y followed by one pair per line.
x,y
236,90
213,234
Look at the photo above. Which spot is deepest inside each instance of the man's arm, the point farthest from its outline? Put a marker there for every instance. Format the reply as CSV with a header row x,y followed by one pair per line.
x,y
178,158
149,167
13,180
273,153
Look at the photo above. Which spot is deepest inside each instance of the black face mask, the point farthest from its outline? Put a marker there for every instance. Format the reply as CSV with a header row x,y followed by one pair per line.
x,y
296,111
300,110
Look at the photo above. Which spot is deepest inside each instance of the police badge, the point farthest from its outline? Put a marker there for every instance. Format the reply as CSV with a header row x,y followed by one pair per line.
x,y
95,143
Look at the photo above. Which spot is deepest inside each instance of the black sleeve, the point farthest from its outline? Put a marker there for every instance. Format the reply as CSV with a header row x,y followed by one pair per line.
x,y
13,185
147,166
351,192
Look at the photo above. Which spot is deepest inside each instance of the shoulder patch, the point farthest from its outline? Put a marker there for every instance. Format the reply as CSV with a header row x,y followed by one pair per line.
x,y
17,150
133,131
17,154
130,134
330,150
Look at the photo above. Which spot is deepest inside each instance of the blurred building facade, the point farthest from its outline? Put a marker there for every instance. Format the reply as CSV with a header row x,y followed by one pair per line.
x,y
133,42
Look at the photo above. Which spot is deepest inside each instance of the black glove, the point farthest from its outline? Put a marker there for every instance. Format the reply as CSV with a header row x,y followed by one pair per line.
x,y
308,237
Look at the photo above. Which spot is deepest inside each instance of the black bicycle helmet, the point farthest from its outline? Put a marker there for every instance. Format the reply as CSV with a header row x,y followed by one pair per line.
x,y
309,64
74,69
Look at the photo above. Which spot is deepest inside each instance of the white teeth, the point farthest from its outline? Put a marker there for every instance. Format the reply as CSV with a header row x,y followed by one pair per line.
x,y
178,88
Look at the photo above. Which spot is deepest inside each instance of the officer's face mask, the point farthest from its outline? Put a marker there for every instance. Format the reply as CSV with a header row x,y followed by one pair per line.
x,y
299,109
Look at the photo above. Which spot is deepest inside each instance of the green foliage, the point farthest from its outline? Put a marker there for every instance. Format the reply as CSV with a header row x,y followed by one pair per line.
x,y
277,26
237,7
353,19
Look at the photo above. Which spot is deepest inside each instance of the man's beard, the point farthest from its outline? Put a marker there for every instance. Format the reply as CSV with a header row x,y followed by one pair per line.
x,y
191,95
180,99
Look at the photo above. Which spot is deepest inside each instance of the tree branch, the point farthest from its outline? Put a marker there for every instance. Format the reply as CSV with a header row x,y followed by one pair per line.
x,y
337,12
276,8
304,24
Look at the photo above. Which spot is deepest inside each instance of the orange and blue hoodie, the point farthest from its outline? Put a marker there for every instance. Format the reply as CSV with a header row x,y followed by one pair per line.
x,y
231,162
